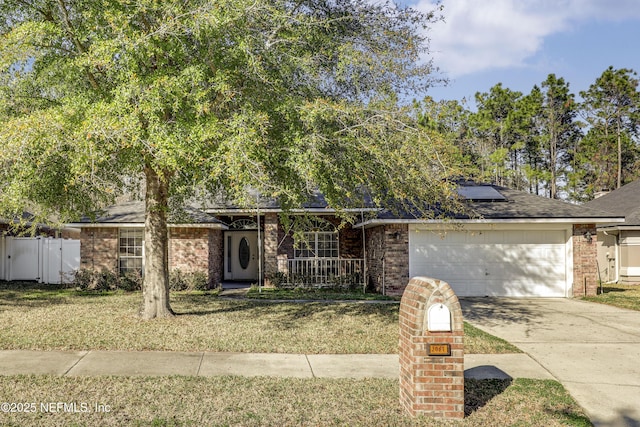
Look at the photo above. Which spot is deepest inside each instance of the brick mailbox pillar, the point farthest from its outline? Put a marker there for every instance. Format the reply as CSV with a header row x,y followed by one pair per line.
x,y
431,350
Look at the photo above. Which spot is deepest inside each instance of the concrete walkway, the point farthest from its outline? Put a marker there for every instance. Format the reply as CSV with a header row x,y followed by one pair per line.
x,y
157,363
592,349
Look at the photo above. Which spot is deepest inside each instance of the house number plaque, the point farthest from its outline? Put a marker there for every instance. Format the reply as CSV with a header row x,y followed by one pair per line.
x,y
439,350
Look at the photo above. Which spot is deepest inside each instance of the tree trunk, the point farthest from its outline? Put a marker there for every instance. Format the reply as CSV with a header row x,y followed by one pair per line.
x,y
552,165
155,285
619,175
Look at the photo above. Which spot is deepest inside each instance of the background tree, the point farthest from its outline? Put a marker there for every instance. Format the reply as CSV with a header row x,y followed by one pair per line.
x,y
449,121
557,129
611,107
497,125
201,97
530,107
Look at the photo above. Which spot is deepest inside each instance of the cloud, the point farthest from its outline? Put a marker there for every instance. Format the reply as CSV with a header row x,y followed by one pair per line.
x,y
481,35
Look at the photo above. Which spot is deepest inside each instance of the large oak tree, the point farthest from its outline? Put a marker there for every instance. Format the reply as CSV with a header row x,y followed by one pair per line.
x,y
204,97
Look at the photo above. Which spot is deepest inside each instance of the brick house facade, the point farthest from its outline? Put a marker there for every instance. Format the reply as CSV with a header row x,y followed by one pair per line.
x,y
378,249
190,250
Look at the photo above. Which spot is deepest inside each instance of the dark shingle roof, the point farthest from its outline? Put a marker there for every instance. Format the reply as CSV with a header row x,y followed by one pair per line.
x,y
133,213
512,204
504,203
520,204
625,201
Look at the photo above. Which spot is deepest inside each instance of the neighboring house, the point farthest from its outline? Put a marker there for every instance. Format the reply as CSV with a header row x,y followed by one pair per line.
x,y
619,244
516,244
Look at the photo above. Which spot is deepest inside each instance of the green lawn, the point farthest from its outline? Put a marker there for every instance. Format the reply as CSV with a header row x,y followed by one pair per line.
x,y
41,317
623,296
315,294
47,318
238,401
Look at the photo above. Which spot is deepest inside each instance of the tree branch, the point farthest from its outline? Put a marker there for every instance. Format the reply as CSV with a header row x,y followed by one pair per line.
x,y
76,42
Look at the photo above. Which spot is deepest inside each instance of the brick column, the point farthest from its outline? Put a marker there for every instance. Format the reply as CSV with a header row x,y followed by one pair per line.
x,y
431,384
388,258
585,254
270,253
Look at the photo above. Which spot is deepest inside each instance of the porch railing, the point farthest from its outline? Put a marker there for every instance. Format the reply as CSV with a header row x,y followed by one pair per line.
x,y
322,272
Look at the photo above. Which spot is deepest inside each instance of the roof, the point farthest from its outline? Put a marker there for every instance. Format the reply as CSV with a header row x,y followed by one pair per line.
x,y
625,201
132,214
316,202
486,202
491,203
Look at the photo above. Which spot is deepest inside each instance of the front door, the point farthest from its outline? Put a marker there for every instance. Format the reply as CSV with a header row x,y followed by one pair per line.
x,y
241,255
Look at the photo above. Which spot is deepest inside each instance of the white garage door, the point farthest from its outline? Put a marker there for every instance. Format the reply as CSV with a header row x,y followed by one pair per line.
x,y
492,263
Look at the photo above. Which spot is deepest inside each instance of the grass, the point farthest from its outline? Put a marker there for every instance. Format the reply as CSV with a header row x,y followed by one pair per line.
x,y
190,401
315,294
623,296
40,317
37,317
480,342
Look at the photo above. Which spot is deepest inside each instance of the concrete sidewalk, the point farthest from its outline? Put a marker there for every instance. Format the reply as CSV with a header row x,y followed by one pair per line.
x,y
161,363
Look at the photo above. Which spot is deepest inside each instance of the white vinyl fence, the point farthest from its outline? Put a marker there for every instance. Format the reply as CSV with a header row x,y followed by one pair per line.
x,y
45,260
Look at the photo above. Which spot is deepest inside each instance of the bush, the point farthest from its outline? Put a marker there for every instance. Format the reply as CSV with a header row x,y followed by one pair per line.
x,y
187,281
278,279
91,280
130,282
105,280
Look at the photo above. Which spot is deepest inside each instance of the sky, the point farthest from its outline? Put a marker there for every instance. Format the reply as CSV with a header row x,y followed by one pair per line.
x,y
520,42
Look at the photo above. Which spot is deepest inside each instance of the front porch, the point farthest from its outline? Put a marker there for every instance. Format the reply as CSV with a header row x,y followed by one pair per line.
x,y
320,273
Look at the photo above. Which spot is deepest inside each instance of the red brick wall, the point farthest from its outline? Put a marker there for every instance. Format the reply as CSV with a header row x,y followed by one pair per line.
x,y
430,385
270,246
350,241
585,254
190,249
216,254
388,258
197,249
99,248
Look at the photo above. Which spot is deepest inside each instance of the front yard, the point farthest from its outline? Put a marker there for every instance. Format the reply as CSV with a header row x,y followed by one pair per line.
x,y
36,317
623,296
49,318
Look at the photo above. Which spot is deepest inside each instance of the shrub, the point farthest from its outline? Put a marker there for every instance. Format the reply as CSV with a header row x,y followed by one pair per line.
x,y
105,280
187,281
131,281
277,279
91,280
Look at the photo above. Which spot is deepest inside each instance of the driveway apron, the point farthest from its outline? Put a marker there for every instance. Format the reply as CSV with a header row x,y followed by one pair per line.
x,y
592,349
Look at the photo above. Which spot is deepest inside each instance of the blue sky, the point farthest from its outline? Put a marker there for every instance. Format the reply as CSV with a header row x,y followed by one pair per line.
x,y
520,42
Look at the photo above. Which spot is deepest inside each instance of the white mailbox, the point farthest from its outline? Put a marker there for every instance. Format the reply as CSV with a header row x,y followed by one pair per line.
x,y
439,318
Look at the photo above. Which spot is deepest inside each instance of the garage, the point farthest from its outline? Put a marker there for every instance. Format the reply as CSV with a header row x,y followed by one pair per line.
x,y
489,261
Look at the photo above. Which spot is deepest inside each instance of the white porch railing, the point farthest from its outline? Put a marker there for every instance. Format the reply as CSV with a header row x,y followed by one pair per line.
x,y
322,272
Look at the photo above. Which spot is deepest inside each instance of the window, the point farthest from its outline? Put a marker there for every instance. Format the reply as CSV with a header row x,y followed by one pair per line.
x,y
130,250
318,240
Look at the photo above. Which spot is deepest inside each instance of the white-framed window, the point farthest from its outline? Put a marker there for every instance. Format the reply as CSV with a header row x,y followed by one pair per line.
x,y
319,239
130,246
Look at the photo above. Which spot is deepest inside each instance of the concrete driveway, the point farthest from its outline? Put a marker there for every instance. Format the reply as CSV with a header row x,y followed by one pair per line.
x,y
592,349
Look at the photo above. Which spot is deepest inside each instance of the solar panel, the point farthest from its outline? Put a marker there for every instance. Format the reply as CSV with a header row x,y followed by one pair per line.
x,y
481,193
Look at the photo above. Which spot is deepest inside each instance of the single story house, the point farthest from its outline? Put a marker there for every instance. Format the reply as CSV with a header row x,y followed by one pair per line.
x,y
515,244
619,244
